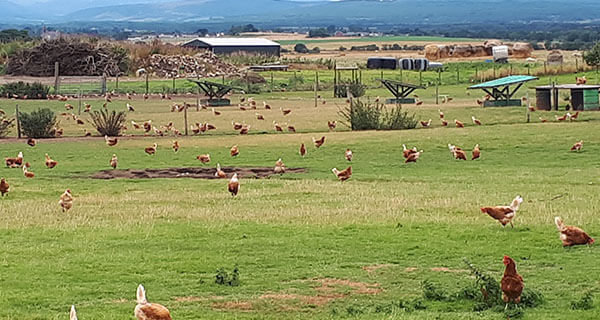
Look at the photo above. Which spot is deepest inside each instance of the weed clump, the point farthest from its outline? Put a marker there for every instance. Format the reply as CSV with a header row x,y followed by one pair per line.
x,y
585,303
226,279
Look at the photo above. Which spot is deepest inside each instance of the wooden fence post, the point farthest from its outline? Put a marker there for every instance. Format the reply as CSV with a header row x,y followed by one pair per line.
x,y
315,87
79,101
147,84
185,120
198,99
117,83
437,88
104,84
174,86
56,78
18,121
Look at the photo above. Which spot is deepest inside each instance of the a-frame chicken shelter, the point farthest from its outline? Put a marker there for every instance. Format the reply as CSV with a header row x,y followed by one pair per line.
x,y
500,90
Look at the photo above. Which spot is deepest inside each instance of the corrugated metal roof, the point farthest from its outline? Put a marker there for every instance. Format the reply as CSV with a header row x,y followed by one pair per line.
x,y
503,82
229,42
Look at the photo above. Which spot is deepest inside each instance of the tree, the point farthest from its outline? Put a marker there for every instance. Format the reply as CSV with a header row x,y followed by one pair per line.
x,y
592,57
10,35
300,48
236,30
318,33
202,32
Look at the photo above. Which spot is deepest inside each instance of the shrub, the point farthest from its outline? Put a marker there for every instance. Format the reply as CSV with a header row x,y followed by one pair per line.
x,y
491,295
38,124
224,278
109,124
21,89
432,292
361,116
5,126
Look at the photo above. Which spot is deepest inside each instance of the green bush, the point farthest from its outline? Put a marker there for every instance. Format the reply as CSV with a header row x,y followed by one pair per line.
x,y
5,126
21,89
300,48
38,124
362,116
109,124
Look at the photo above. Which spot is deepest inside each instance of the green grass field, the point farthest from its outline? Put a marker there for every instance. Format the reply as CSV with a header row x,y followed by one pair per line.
x,y
306,245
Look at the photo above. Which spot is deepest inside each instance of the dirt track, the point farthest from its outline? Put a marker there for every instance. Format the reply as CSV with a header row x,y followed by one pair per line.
x,y
195,173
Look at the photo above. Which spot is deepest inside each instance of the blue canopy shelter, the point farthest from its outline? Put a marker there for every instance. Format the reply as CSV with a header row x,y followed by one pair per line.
x,y
501,92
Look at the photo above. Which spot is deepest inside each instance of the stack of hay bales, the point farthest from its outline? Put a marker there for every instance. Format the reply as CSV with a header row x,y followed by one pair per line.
x,y
436,52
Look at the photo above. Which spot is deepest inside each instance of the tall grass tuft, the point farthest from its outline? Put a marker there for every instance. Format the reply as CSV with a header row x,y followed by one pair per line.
x,y
109,124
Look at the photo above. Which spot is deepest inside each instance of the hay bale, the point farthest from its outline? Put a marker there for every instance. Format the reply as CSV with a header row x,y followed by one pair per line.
x,y
436,52
462,51
479,51
522,50
555,57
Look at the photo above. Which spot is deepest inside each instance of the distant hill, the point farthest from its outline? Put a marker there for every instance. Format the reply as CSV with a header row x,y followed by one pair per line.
x,y
349,11
303,12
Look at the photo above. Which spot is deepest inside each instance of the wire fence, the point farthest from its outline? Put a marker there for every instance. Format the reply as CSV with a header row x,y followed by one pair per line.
x,y
305,80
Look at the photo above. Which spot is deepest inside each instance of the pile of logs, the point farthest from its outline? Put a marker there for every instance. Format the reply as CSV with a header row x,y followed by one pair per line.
x,y
75,58
200,65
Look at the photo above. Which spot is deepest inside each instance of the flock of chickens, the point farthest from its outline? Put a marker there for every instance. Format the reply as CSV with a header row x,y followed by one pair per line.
x,y
512,283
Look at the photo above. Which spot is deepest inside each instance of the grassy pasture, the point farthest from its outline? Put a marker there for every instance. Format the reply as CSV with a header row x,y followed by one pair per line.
x,y
291,235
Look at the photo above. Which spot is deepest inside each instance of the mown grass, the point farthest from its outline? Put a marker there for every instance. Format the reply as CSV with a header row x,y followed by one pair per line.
x,y
284,232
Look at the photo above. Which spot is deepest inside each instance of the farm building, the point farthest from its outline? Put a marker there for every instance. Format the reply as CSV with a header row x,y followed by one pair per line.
x,y
582,97
257,46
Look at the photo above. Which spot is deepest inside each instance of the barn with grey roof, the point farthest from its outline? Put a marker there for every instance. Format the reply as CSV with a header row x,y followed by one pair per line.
x,y
256,46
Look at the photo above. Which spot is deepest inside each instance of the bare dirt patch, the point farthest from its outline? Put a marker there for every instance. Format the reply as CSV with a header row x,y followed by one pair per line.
x,y
330,284
195,173
327,290
375,267
189,299
444,269
233,305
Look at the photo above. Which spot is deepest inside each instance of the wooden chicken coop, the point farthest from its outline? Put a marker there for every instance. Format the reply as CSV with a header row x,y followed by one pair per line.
x,y
582,96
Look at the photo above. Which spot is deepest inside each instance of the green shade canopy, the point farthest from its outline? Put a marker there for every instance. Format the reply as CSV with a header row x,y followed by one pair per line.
x,y
503,82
